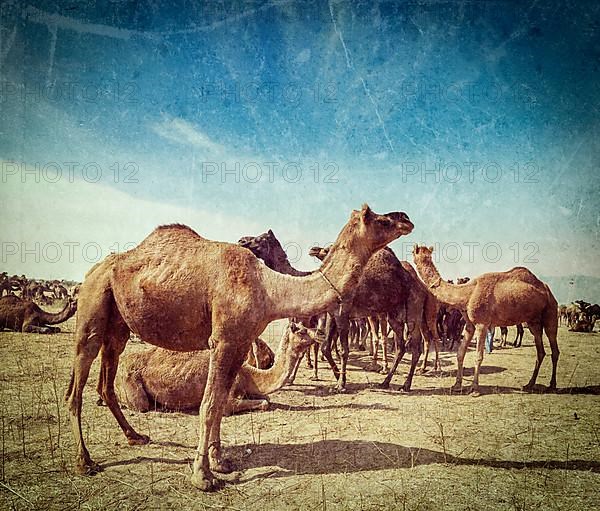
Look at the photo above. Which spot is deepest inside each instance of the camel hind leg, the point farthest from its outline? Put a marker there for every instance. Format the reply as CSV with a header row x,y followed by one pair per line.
x,y
92,318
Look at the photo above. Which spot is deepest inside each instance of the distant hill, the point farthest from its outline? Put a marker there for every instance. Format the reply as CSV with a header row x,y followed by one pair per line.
x,y
575,287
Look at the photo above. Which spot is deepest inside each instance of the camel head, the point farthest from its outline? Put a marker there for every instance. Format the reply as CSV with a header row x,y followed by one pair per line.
x,y
369,231
301,338
319,252
422,254
266,246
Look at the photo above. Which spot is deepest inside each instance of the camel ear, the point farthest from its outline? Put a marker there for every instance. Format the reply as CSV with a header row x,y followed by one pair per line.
x,y
415,249
293,327
366,213
430,249
270,232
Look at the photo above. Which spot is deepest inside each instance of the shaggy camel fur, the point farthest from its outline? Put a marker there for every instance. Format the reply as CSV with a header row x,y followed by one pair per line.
x,y
500,299
179,291
26,316
175,380
387,287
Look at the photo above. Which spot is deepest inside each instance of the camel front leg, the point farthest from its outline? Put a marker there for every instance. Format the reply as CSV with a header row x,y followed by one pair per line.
x,y
460,355
415,342
398,328
481,333
224,365
536,330
330,334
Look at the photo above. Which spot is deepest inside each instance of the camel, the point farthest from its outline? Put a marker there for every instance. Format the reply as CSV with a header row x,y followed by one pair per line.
x,y
7,284
260,355
179,291
500,299
22,315
267,247
392,287
175,380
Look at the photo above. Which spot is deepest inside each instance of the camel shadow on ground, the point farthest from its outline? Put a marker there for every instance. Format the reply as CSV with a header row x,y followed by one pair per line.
x,y
351,456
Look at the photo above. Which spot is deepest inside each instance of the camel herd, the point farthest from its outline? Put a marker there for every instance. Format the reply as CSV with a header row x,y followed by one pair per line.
x,y
202,304
579,316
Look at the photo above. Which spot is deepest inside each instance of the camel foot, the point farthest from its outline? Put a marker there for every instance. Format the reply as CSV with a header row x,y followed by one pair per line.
x,y
224,466
456,388
362,347
474,391
206,482
137,439
528,387
384,385
404,389
338,389
88,468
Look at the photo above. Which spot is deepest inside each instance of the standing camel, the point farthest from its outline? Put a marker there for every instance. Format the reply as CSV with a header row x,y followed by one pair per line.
x,y
501,299
387,287
182,292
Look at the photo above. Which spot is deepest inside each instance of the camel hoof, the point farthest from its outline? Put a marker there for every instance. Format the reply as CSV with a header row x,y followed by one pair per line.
x,y
527,388
138,439
475,392
88,468
384,385
206,482
404,389
224,466
456,388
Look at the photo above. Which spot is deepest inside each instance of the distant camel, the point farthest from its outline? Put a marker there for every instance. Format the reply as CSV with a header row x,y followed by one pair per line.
x,y
176,380
501,299
22,315
182,292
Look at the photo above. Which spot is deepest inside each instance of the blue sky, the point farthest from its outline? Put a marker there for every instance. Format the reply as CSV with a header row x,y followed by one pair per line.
x,y
500,99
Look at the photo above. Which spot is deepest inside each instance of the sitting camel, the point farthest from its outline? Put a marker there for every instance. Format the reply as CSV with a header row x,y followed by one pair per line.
x,y
22,315
176,381
501,299
180,291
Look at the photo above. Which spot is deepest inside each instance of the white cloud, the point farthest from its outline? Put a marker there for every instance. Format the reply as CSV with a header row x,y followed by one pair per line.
x,y
59,230
181,131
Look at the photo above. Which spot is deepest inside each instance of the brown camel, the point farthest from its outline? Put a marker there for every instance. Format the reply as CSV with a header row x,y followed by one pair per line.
x,y
388,287
22,315
500,299
175,380
260,355
267,247
179,291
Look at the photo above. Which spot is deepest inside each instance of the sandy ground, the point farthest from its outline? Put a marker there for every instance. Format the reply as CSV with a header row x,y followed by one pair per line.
x,y
314,449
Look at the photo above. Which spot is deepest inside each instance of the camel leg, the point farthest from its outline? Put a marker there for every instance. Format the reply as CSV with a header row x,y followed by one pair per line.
x,y
536,330
551,329
309,363
330,332
415,343
398,328
245,405
111,350
374,352
225,361
342,322
460,355
315,376
481,332
133,394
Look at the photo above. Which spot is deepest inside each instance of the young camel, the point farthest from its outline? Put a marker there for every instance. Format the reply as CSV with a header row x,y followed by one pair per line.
x,y
175,380
182,292
501,299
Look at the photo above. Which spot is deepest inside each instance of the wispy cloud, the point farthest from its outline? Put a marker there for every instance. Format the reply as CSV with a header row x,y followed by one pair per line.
x,y
181,131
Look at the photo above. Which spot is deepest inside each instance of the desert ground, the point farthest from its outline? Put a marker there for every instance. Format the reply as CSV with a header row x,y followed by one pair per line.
x,y
315,449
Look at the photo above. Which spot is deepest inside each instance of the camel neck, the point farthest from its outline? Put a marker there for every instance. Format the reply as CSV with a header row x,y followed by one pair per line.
x,y
450,294
311,295
266,381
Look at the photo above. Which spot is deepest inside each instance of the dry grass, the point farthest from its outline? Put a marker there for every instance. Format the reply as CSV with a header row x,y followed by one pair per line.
x,y
366,449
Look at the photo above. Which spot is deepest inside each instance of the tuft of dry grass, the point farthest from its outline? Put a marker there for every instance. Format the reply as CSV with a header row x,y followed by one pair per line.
x,y
365,449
